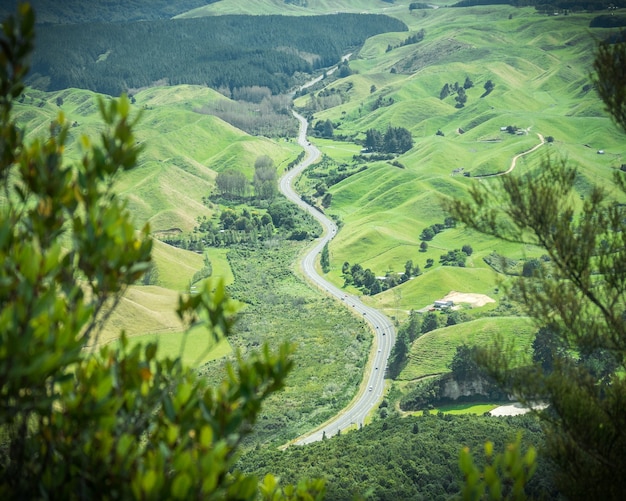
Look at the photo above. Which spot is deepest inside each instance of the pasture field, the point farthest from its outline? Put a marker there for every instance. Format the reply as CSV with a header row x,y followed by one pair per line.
x,y
176,171
432,353
540,66
313,7
477,409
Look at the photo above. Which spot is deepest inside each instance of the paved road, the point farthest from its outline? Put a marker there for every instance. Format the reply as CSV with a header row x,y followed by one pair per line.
x,y
371,390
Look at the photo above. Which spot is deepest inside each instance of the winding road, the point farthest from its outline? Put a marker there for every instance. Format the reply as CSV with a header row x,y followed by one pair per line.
x,y
373,385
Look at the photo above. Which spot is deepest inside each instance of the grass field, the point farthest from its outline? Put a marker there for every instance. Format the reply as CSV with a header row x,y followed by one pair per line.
x,y
176,171
433,352
313,7
458,409
540,66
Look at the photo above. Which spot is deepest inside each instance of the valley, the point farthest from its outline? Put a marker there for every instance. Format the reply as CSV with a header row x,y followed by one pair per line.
x,y
338,239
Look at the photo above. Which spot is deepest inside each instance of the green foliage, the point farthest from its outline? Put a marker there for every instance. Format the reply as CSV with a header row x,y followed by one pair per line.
x,y
504,475
81,422
332,343
325,259
463,365
579,293
454,257
400,457
395,140
610,67
109,11
265,180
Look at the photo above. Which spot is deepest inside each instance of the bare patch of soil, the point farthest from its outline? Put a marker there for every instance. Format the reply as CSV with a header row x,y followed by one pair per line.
x,y
475,300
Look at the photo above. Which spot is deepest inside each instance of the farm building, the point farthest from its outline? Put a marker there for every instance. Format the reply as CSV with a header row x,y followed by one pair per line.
x,y
443,304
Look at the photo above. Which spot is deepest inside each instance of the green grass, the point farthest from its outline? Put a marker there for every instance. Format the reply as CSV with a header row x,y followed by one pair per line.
x,y
433,352
331,343
458,409
313,7
195,347
539,65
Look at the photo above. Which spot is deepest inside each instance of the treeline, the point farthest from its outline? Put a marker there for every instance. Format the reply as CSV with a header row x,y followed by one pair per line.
x,y
222,51
413,39
324,174
401,458
105,11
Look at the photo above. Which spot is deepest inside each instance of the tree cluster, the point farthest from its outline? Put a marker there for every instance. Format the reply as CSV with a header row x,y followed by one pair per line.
x,y
369,283
323,129
459,90
104,11
456,257
271,117
401,457
410,40
418,5
408,332
429,233
251,227
395,140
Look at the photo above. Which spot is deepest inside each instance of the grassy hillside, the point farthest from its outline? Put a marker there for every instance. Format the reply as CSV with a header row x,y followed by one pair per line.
x,y
183,153
294,8
540,67
433,352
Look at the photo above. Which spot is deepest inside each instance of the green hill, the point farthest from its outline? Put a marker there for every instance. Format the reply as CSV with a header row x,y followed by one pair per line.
x,y
540,67
294,7
176,172
433,352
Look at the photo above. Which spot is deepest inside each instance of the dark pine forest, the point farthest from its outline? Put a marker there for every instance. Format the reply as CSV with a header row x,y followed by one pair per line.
x,y
224,51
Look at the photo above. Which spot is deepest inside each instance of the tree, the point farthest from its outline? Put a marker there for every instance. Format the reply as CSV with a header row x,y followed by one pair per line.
x,y
461,98
463,364
489,86
468,84
373,140
427,234
85,422
580,292
398,356
547,347
231,183
429,322
530,267
445,92
265,178
423,246
325,259
408,269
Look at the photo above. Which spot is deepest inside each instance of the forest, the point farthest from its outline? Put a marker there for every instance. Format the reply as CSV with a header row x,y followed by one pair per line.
x,y
400,458
225,51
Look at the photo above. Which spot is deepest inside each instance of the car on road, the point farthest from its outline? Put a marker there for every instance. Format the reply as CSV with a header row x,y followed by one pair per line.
x,y
370,388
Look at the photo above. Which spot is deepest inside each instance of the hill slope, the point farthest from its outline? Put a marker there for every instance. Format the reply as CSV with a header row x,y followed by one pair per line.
x,y
539,67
